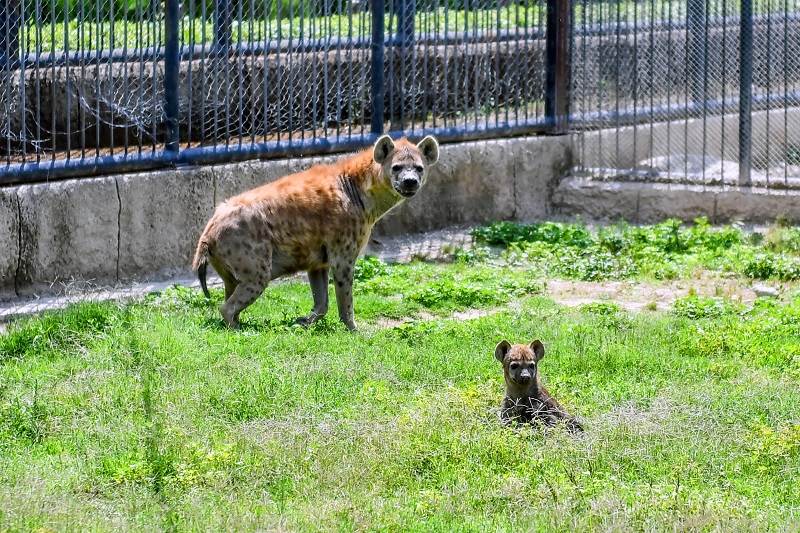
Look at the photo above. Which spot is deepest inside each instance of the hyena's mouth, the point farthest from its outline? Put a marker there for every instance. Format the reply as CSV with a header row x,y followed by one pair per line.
x,y
407,193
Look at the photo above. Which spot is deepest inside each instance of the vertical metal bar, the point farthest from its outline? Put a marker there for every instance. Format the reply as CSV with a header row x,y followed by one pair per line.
x,y
404,36
38,77
696,20
222,24
745,92
189,70
171,66
786,52
769,56
23,92
377,81
556,102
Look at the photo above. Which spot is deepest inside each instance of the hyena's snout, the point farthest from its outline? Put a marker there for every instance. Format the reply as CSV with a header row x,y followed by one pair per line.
x,y
408,181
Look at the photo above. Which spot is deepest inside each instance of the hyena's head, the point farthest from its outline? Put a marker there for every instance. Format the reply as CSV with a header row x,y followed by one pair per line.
x,y
519,362
406,164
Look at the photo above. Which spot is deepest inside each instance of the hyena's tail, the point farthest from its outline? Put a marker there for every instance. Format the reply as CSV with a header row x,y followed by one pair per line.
x,y
200,264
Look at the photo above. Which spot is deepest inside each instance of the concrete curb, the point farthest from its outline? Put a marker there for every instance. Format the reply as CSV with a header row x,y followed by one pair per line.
x,y
647,203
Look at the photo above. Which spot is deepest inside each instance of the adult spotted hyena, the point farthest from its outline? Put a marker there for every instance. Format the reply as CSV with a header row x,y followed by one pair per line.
x,y
317,220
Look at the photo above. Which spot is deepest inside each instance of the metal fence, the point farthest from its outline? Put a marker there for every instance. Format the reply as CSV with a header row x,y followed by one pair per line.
x,y
99,86
700,91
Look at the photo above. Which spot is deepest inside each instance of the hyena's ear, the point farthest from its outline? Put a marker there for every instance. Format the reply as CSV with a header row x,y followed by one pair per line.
x,y
538,349
501,350
383,148
429,149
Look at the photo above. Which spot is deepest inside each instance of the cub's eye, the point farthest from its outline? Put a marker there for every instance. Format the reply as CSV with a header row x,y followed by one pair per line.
x,y
514,366
532,365
397,168
419,169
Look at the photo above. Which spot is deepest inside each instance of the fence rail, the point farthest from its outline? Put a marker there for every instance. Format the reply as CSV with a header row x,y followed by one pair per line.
x,y
103,86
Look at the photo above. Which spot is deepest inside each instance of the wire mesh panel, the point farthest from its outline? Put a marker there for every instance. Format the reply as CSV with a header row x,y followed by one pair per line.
x,y
459,66
662,82
81,83
94,86
776,93
279,72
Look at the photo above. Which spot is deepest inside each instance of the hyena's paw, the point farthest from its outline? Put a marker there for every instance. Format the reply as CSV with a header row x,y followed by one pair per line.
x,y
230,318
307,320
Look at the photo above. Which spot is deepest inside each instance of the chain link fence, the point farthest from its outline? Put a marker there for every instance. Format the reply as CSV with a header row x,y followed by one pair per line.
x,y
673,95
97,86
651,89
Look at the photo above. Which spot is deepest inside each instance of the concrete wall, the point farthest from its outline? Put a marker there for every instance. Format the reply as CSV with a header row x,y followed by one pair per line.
x,y
101,231
144,227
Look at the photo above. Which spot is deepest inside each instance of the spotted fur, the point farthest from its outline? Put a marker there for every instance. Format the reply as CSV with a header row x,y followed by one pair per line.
x,y
315,221
527,401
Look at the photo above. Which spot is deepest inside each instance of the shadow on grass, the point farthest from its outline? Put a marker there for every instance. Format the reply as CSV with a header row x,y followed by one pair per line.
x,y
284,324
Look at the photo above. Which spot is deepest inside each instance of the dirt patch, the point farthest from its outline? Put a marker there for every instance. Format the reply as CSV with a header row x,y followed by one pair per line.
x,y
639,296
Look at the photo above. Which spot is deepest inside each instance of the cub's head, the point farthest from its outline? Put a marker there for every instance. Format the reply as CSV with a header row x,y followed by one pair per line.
x,y
519,361
404,163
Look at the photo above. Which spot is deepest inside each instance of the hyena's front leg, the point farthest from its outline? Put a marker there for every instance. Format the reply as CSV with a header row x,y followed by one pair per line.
x,y
318,279
343,272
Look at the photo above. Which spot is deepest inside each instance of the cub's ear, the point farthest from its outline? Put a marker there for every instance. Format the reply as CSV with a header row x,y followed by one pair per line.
x,y
429,149
538,349
383,149
501,350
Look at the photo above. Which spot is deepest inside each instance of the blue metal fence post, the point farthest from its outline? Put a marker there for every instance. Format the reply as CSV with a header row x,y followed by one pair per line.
x,y
557,65
746,92
403,61
171,69
697,25
222,24
9,31
377,81
407,10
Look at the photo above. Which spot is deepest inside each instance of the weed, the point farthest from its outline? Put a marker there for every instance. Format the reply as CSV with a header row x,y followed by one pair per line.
x,y
770,265
695,307
57,330
369,267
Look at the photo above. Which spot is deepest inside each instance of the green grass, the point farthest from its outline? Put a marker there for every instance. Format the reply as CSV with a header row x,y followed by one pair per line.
x,y
151,416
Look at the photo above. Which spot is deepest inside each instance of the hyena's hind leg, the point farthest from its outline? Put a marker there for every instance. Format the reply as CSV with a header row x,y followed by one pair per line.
x,y
251,276
228,279
318,279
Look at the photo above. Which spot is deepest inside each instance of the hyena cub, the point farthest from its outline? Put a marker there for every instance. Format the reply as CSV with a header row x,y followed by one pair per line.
x,y
316,221
526,399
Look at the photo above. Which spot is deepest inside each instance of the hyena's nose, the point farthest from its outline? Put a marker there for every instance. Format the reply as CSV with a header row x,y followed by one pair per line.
x,y
524,376
409,184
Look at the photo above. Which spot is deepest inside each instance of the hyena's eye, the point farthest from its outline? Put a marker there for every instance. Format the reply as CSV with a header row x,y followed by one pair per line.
x,y
397,168
514,366
420,169
532,365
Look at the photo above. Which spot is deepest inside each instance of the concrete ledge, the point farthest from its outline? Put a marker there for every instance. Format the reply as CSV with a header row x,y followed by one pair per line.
x,y
651,203
69,235
597,200
757,204
9,242
158,218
